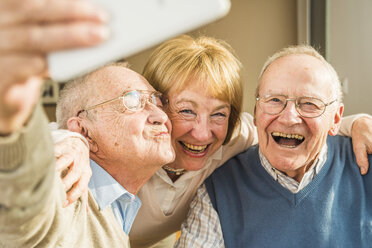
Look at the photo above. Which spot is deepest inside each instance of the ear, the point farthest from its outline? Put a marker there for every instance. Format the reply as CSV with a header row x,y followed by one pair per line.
x,y
254,115
337,120
76,124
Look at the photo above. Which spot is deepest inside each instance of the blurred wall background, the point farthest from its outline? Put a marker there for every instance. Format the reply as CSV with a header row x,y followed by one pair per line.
x,y
348,45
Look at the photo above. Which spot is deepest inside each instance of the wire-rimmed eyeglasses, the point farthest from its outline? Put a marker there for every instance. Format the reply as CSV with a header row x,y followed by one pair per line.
x,y
309,107
133,100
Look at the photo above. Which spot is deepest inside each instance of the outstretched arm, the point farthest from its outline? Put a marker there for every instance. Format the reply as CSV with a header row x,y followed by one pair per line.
x,y
28,30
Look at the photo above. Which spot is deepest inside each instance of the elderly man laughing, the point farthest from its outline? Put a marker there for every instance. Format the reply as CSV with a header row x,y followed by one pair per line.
x,y
300,187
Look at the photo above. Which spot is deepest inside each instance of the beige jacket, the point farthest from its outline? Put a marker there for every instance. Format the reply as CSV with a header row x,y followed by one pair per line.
x,y
31,197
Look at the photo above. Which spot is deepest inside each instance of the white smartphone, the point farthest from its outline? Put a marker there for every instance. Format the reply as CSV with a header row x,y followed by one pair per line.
x,y
136,25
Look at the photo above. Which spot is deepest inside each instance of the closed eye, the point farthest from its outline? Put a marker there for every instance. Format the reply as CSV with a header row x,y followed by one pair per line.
x,y
187,114
219,115
308,105
186,111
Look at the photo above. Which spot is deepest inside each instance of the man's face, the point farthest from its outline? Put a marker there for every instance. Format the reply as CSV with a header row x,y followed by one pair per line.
x,y
294,76
140,138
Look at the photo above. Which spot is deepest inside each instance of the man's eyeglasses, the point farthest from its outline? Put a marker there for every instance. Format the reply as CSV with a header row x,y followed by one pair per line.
x,y
133,100
309,107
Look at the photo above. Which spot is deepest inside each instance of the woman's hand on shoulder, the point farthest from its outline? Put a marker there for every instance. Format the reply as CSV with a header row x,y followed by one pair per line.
x,y
72,156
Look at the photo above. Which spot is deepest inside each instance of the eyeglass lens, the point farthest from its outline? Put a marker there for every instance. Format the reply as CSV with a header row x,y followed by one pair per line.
x,y
306,106
136,100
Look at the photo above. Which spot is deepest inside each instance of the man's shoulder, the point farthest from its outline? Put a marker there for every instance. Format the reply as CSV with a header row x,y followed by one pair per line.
x,y
340,148
341,144
338,139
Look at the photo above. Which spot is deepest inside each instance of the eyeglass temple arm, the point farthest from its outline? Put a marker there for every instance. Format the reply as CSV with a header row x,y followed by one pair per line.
x,y
98,105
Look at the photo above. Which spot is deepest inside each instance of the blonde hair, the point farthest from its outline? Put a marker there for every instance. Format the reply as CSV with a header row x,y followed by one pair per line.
x,y
79,94
176,62
306,50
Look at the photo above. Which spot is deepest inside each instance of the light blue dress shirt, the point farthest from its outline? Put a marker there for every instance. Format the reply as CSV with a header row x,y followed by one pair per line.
x,y
108,192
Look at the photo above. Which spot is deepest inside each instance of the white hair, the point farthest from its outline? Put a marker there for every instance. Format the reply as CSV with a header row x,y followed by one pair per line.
x,y
79,94
306,50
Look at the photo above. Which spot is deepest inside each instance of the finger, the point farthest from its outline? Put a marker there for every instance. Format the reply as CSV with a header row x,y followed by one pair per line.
x,y
72,177
17,101
361,158
64,162
54,37
80,187
57,151
75,193
57,10
20,11
22,96
85,198
20,67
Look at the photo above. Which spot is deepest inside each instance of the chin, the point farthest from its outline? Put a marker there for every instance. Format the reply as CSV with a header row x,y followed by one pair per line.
x,y
194,166
286,164
168,156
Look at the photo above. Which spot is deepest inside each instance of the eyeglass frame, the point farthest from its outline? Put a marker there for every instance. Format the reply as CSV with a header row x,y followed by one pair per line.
x,y
148,92
296,105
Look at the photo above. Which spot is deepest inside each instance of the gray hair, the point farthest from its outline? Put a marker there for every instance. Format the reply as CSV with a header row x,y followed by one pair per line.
x,y
77,95
306,50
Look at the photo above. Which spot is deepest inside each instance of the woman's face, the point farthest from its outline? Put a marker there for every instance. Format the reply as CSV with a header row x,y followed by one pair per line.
x,y
199,125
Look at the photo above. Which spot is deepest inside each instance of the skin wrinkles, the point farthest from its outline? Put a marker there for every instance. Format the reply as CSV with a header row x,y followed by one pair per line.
x,y
297,75
125,134
156,133
174,109
195,101
113,115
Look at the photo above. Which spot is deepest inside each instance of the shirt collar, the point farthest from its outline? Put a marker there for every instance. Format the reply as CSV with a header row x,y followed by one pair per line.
x,y
290,183
104,187
217,155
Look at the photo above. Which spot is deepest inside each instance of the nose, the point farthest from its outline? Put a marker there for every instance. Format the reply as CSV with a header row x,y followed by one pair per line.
x,y
289,116
157,116
201,130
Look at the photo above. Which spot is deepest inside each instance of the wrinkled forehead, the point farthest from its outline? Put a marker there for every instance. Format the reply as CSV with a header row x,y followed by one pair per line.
x,y
114,80
297,73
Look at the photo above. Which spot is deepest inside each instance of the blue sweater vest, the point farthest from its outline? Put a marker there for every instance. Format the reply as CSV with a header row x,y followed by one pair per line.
x,y
334,210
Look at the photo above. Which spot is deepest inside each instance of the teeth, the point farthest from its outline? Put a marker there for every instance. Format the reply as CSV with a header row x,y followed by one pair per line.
x,y
193,147
288,136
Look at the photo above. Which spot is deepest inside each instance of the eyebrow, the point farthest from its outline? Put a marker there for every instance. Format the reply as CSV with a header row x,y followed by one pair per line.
x,y
195,104
182,100
286,95
222,107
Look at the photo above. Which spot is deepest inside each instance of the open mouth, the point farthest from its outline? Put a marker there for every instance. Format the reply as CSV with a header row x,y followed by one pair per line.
x,y
193,148
287,140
